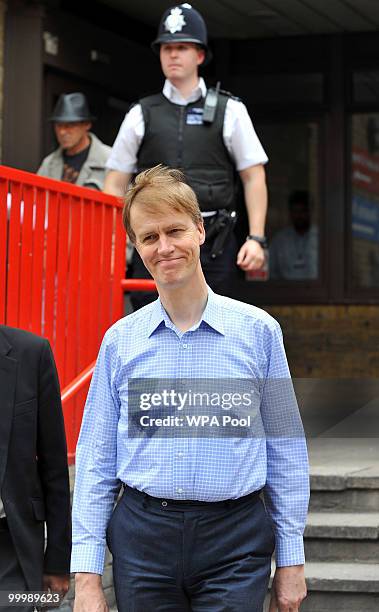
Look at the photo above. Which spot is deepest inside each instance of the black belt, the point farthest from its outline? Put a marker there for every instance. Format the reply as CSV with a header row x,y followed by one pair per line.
x,y
181,504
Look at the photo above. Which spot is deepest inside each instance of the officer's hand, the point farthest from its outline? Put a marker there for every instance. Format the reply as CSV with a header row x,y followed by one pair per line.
x,y
288,589
250,256
89,594
56,583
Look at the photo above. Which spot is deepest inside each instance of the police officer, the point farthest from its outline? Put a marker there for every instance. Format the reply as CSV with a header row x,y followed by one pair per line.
x,y
206,133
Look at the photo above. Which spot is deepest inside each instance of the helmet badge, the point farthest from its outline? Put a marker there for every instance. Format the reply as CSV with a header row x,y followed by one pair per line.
x,y
175,20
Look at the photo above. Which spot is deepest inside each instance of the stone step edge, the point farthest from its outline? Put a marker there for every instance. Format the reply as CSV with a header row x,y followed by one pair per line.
x,y
341,525
341,577
333,482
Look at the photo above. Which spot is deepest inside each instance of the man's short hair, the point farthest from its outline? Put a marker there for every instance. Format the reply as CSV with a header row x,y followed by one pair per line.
x,y
160,186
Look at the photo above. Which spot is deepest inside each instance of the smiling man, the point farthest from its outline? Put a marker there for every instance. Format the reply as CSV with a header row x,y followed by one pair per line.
x,y
207,134
169,244
190,532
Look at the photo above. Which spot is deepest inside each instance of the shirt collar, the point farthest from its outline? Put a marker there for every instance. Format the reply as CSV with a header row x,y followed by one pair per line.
x,y
212,315
174,95
157,317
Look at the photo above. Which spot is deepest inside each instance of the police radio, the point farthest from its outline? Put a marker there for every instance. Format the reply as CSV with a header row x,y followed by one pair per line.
x,y
210,104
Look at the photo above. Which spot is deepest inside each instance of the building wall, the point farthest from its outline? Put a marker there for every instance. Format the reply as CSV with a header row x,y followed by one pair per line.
x,y
330,341
3,6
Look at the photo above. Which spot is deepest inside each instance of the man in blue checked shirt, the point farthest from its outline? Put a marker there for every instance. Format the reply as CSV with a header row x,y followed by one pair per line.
x,y
190,532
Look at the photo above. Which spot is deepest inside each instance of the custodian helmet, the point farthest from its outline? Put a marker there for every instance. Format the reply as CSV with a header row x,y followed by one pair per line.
x,y
182,23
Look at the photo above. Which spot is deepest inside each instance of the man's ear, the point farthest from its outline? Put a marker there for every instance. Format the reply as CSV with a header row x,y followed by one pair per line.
x,y
200,56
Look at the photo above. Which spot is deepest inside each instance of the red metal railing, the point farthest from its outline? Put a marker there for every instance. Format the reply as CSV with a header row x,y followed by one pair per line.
x,y
138,284
62,259
84,378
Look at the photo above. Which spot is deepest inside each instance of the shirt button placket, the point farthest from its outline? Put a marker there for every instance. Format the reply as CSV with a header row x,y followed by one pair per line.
x,y
180,449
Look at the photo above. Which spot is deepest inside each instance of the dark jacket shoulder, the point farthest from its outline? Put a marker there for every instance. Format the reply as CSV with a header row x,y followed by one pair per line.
x,y
20,338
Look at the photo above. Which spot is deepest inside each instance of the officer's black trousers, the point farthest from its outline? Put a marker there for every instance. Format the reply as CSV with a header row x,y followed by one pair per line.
x,y
219,272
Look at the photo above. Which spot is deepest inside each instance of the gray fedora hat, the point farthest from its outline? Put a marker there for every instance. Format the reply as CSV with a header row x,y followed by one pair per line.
x,y
72,107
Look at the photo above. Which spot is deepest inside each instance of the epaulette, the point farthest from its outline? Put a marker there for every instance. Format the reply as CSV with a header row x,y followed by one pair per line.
x,y
230,95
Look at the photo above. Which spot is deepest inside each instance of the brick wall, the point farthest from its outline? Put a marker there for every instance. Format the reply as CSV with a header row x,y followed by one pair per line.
x,y
330,341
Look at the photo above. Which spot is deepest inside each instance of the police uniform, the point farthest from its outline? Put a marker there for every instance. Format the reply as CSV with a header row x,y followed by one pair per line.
x,y
167,128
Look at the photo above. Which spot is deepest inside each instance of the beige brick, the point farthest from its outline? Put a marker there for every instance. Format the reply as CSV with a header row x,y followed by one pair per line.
x,y
330,341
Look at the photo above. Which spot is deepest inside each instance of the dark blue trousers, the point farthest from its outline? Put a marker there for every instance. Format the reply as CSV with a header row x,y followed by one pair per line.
x,y
180,558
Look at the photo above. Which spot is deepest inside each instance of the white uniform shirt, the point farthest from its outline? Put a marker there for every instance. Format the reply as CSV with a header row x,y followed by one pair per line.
x,y
238,132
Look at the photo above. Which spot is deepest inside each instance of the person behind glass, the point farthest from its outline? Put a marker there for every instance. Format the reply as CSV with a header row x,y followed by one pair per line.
x,y
176,128
81,156
34,483
294,249
190,531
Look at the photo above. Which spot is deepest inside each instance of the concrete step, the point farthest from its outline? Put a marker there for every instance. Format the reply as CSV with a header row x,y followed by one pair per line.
x,y
342,537
353,526
336,602
341,587
344,491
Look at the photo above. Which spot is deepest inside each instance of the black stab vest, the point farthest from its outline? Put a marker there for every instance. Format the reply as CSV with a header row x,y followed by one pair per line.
x,y
175,136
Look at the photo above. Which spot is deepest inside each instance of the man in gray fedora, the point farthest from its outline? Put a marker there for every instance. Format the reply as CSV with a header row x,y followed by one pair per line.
x,y
81,156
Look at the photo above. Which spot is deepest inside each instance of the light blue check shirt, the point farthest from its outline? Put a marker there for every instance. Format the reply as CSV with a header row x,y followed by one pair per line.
x,y
232,340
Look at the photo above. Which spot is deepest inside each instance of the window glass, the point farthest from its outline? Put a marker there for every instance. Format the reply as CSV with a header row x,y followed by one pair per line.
x,y
365,199
293,214
366,87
